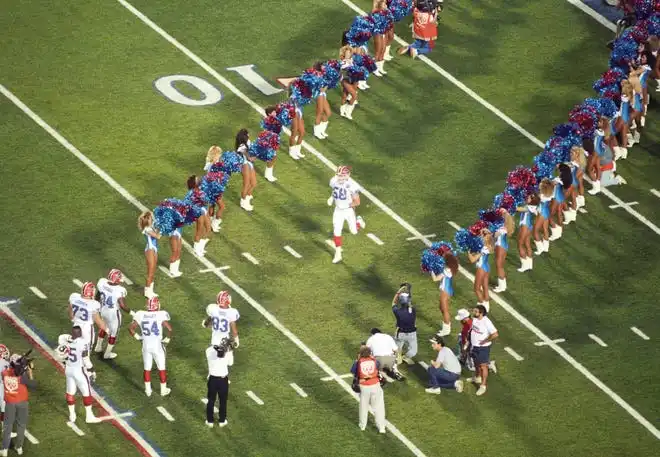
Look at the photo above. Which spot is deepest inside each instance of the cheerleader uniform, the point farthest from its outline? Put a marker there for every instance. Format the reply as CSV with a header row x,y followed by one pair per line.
x,y
624,110
152,241
483,260
243,151
527,220
447,282
544,207
501,240
600,148
559,197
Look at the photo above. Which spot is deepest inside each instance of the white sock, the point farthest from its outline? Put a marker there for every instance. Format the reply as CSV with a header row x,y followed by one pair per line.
x,y
446,328
108,349
387,49
147,387
72,410
163,386
324,127
88,411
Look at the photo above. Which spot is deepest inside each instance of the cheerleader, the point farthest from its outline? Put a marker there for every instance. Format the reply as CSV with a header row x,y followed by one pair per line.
x,y
562,185
145,225
380,38
348,84
446,280
247,169
176,243
602,148
620,124
271,112
483,268
213,156
502,235
527,214
542,222
643,71
389,34
322,109
198,213
637,111
297,132
578,164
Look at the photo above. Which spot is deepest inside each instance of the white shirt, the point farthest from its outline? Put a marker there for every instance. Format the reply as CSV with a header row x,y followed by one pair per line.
x,y
217,366
78,349
220,320
382,344
343,192
151,327
481,329
83,309
110,293
447,359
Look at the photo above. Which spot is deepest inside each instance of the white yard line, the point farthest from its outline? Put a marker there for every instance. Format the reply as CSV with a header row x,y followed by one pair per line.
x,y
330,243
655,192
341,376
594,14
375,239
292,251
545,343
166,414
298,389
619,206
251,258
254,397
31,437
213,270
423,364
75,428
598,340
639,333
413,238
127,281
165,270
206,402
514,354
38,293
111,417
77,282
454,225
324,366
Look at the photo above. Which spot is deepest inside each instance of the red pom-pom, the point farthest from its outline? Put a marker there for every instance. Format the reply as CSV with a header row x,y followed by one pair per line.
x,y
476,228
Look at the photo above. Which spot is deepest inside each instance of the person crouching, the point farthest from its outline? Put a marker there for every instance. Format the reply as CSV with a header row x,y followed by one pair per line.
x,y
425,29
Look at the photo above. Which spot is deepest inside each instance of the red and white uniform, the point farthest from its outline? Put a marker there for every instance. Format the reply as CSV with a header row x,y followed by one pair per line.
x,y
343,191
83,315
220,328
76,365
110,310
151,328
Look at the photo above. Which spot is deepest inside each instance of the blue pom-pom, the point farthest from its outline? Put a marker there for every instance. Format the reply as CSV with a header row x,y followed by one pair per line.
x,y
443,247
214,184
231,162
167,218
332,73
400,9
466,242
314,80
361,31
544,165
432,262
624,52
382,20
603,106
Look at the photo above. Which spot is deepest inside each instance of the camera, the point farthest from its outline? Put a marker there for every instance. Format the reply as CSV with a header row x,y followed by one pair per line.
x,y
427,6
226,345
22,364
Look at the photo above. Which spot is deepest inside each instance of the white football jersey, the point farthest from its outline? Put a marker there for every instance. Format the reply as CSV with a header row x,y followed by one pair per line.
x,y
343,192
151,327
77,350
83,309
220,320
110,293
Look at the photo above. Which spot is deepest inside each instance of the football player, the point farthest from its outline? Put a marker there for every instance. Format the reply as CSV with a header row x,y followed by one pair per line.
x,y
4,364
84,312
221,318
151,323
74,351
346,197
111,295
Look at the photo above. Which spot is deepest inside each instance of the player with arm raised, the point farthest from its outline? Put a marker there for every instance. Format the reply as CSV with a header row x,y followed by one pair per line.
x,y
84,312
74,352
111,294
346,197
151,323
222,318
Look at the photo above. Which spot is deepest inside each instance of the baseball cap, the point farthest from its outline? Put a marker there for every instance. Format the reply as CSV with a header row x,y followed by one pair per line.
x,y
437,340
462,314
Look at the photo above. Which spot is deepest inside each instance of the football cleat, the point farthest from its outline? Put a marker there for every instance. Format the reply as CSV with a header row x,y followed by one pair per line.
x,y
223,299
115,276
88,290
4,352
153,304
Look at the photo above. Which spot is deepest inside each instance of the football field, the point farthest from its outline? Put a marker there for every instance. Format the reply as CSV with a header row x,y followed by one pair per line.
x,y
90,138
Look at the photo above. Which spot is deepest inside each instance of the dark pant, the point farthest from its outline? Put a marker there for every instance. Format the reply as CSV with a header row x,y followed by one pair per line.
x,y
217,386
481,355
15,412
439,377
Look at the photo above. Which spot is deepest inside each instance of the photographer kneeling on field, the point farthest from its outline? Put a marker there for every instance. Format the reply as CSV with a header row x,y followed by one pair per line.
x,y
16,379
425,27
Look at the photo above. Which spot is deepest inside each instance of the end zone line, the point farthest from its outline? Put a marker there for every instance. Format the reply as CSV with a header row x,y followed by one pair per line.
x,y
143,446
38,293
506,306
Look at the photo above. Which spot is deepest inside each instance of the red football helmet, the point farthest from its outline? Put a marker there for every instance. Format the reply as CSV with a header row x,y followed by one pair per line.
x,y
115,276
153,304
223,299
343,171
4,352
88,290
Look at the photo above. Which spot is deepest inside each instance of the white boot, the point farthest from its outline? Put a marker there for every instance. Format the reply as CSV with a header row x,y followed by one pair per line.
x,y
388,56
636,136
293,152
624,153
324,127
445,330
642,121
215,224
362,85
147,389
149,291
379,69
580,201
90,418
501,285
174,269
72,413
595,189
620,180
349,111
539,247
530,263
164,390
570,215
299,151
317,132
546,245
523,265
198,247
337,257
618,152
99,345
555,233
382,67
342,110
486,305
268,174
245,204
109,355
630,141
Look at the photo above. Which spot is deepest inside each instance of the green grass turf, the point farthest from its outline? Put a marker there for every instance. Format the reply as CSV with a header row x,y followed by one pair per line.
x,y
426,149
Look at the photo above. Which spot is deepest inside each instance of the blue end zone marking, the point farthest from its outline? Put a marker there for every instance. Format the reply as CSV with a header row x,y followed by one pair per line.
x,y
610,12
12,302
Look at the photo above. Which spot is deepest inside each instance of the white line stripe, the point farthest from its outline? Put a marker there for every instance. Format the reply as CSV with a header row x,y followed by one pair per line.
x,y
324,366
514,354
597,340
292,251
341,376
412,238
387,378
330,243
545,343
594,14
640,333
77,282
127,281
31,437
165,270
251,258
655,192
423,364
298,389
166,414
75,428
624,205
254,397
206,402
111,417
38,293
454,225
213,270
375,239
